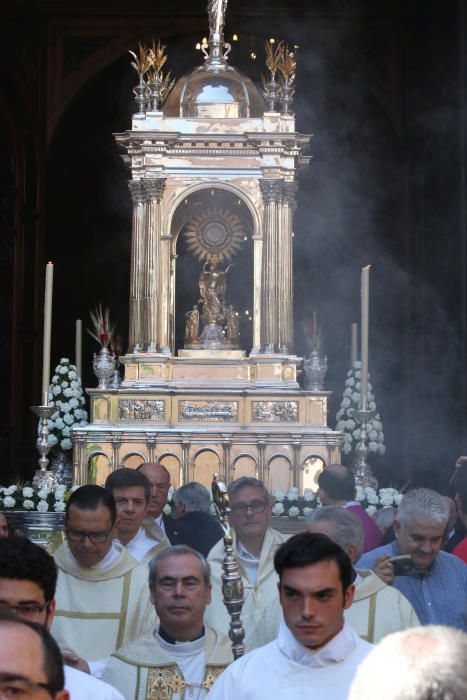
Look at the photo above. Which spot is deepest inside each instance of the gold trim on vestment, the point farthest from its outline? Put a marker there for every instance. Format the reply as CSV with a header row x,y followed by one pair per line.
x,y
164,681
124,608
87,616
372,618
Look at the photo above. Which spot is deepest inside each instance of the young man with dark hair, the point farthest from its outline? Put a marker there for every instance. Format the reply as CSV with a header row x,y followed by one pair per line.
x,y
337,488
28,577
316,654
102,595
140,535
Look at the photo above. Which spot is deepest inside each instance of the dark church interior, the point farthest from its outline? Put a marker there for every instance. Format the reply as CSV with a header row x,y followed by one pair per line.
x,y
380,86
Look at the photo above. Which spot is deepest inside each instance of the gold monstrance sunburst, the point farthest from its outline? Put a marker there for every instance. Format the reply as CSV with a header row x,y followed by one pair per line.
x,y
215,234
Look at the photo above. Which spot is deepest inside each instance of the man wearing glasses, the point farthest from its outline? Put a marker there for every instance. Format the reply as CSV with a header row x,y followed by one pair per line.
x,y
28,577
255,545
102,594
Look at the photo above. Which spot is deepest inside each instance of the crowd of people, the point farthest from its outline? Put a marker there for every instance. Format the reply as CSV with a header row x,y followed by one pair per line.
x,y
132,601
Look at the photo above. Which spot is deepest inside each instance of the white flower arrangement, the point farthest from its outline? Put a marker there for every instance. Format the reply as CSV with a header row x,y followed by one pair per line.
x,y
27,497
66,394
345,422
302,506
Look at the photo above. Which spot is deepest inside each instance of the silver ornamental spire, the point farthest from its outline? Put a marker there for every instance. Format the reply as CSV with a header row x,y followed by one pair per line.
x,y
216,18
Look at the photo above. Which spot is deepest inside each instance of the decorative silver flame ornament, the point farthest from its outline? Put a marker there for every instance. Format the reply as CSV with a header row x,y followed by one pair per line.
x,y
232,584
103,365
43,477
315,368
362,470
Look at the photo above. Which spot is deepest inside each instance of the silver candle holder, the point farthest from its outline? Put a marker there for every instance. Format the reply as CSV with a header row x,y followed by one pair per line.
x,y
43,477
232,584
362,470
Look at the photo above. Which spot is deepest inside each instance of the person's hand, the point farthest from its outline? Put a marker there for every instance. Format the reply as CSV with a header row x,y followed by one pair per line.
x,y
384,569
75,661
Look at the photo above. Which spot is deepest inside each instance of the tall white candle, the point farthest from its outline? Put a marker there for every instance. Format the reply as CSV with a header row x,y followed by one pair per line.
x,y
79,346
49,280
365,298
353,344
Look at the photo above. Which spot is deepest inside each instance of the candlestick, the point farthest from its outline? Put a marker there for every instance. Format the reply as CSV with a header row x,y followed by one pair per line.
x,y
49,277
79,346
365,299
353,344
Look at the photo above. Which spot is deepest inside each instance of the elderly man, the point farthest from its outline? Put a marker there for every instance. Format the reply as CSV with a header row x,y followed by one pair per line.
x,y
255,545
181,658
28,577
159,478
30,661
316,653
426,663
3,527
337,488
195,526
141,536
102,596
377,609
435,582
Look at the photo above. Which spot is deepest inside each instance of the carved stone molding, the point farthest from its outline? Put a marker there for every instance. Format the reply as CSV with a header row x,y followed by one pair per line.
x,y
275,411
289,193
154,189
271,190
137,191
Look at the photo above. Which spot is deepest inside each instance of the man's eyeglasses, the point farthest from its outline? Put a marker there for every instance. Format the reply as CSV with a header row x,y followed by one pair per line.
x,y
12,686
80,535
255,507
27,610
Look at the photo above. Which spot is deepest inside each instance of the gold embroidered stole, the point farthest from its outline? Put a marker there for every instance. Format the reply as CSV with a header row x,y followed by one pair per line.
x,y
164,681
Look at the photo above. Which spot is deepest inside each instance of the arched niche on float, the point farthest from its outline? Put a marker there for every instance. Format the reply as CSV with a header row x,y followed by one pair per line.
x,y
244,464
133,460
279,472
205,463
98,467
311,468
212,215
172,463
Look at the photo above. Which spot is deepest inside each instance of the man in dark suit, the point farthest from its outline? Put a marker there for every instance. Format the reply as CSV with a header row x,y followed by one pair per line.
x,y
194,525
159,478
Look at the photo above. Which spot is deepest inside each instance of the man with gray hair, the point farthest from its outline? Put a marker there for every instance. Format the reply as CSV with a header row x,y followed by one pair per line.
x,y
194,525
434,581
182,657
377,609
426,663
255,544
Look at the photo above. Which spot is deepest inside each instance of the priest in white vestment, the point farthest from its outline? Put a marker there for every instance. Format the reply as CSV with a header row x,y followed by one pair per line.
x,y
255,544
377,609
182,657
140,534
102,594
316,653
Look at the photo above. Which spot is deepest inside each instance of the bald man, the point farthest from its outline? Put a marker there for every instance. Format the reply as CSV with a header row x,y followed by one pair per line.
x,y
159,478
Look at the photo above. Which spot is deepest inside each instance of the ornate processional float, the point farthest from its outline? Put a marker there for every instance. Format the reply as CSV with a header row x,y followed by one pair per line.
x,y
213,167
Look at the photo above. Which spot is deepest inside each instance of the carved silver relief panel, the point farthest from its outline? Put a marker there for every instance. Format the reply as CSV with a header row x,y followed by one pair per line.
x,y
275,411
208,411
141,410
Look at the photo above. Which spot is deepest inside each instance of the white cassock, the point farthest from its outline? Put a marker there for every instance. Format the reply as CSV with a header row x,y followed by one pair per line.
x,y
378,609
101,608
82,686
151,667
287,670
149,540
261,612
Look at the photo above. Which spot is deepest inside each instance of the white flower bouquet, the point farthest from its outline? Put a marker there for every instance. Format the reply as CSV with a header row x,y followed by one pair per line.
x,y
346,423
291,504
28,497
66,394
